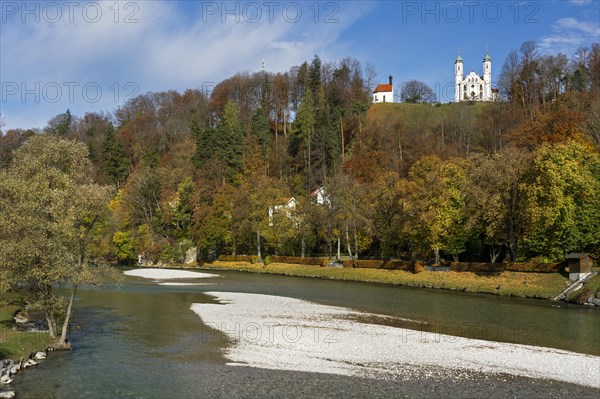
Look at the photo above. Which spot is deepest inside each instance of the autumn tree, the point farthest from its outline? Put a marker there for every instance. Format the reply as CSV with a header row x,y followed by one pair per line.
x,y
50,213
563,201
496,187
437,206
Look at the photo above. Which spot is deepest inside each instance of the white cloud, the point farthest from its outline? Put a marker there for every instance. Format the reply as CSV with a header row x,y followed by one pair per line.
x,y
583,26
168,48
580,2
568,35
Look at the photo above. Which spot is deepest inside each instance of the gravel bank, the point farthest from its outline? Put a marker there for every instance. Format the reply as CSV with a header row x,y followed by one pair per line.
x,y
281,333
167,274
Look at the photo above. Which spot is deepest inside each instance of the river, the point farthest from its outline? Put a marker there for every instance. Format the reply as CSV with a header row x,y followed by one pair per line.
x,y
141,340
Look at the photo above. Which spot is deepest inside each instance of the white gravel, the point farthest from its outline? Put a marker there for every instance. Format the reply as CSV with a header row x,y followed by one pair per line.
x,y
183,284
283,333
167,274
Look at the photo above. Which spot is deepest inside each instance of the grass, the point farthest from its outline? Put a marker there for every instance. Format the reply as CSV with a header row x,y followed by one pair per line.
x,y
16,344
526,285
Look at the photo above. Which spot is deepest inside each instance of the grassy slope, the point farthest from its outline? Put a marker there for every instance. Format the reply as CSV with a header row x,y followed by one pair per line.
x,y
15,344
531,285
392,112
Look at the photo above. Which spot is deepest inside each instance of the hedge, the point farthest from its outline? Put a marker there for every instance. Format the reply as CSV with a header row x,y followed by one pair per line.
x,y
300,261
239,258
500,267
534,267
380,264
398,265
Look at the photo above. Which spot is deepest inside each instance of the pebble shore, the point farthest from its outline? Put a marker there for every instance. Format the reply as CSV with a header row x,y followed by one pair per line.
x,y
281,333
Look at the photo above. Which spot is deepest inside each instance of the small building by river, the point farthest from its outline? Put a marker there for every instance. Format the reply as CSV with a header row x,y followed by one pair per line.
x,y
580,263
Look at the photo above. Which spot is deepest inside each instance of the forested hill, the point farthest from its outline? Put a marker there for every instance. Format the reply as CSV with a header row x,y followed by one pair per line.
x,y
518,179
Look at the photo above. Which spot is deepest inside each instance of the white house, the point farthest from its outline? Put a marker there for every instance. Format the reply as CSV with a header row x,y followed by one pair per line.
x,y
319,197
474,87
287,208
384,93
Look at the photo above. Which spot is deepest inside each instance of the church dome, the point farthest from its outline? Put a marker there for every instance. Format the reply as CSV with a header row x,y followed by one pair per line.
x,y
458,59
487,57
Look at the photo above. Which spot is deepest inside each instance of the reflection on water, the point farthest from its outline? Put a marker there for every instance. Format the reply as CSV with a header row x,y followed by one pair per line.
x,y
142,339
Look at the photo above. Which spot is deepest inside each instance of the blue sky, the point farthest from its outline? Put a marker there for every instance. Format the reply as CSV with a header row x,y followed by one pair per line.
x,y
92,56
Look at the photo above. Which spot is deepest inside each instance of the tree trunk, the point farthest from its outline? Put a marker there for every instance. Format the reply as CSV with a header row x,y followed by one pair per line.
x,y
51,325
342,138
355,241
348,242
339,248
494,254
65,327
258,245
437,256
303,241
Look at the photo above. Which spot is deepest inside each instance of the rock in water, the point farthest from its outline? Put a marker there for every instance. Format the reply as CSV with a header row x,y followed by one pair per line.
x,y
5,379
7,395
40,356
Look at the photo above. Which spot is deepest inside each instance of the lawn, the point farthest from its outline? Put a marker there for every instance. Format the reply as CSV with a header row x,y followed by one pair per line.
x,y
16,344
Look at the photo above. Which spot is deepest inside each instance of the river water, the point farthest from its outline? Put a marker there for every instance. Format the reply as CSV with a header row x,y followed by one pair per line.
x,y
141,340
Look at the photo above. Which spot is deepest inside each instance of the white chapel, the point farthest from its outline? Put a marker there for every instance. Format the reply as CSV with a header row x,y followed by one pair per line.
x,y
474,87
384,93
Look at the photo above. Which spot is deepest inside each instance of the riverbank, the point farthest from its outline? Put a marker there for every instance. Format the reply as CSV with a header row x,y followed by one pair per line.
x,y
18,349
15,344
515,284
282,333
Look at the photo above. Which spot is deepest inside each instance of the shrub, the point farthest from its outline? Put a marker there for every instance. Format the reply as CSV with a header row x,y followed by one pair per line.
x,y
300,261
500,267
239,258
398,265
368,264
348,263
419,267
476,267
533,267
268,260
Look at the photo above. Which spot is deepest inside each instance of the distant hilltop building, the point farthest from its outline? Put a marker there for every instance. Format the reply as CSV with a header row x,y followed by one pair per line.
x,y
474,87
384,93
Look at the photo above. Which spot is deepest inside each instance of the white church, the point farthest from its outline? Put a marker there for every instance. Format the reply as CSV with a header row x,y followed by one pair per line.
x,y
384,93
474,87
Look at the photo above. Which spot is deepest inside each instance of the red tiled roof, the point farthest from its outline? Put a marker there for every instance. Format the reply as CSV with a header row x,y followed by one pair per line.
x,y
383,88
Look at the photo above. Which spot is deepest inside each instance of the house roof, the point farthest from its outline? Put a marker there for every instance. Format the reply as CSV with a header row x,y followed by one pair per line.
x,y
316,191
383,88
579,255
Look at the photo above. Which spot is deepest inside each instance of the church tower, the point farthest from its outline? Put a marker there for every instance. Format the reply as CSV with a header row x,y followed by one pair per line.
x,y
487,77
458,78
